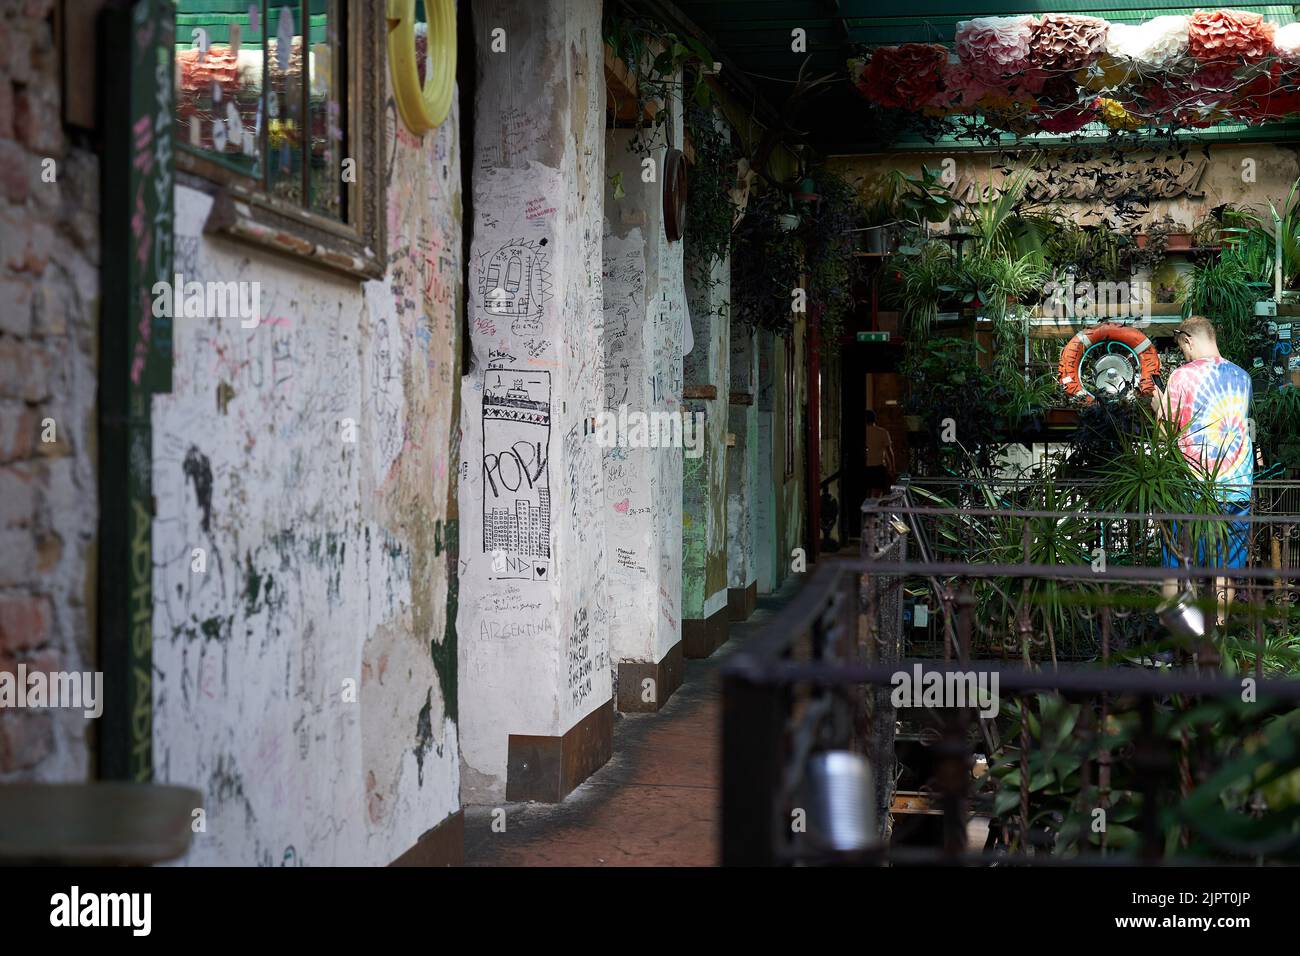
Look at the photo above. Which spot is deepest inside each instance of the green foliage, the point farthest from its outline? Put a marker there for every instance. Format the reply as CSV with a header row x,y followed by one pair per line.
x,y
935,276
1277,424
1027,611
1285,221
880,200
946,383
1281,654
917,286
1095,254
1220,291
1146,473
1246,806
1027,390
922,198
710,211
655,56
766,264
1151,255
769,260
829,241
996,223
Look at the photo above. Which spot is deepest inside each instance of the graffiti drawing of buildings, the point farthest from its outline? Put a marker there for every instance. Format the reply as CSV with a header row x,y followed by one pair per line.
x,y
516,447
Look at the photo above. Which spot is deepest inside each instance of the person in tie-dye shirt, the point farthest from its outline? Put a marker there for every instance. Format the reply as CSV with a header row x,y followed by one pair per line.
x,y
1208,399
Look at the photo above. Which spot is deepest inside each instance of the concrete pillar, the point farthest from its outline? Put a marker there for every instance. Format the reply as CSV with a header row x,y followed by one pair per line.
x,y
645,312
742,474
704,506
536,695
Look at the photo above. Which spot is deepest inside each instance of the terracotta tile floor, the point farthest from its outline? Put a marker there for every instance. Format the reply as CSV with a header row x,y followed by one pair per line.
x,y
656,803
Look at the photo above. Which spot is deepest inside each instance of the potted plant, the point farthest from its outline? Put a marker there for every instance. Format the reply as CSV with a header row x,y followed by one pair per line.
x,y
922,199
914,286
1277,417
1176,237
880,213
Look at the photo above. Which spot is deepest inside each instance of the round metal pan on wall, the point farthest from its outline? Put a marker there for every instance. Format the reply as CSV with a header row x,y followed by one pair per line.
x,y
675,194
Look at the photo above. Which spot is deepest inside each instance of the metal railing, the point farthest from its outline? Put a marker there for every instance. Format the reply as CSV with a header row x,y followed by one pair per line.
x,y
1153,729
1275,544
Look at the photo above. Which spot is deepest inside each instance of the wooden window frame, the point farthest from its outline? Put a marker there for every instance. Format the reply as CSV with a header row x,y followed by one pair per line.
x,y
242,210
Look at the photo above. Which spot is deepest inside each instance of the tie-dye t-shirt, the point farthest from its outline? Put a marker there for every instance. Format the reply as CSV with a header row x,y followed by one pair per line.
x,y
1210,400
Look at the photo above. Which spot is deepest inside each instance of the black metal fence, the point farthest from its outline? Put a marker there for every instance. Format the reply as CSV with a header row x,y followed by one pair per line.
x,y
1274,544
1162,744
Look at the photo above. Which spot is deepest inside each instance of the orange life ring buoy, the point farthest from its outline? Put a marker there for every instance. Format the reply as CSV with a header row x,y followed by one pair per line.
x,y
1072,356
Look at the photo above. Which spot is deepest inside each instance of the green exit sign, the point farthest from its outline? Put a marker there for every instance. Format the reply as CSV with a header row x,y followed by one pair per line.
x,y
873,336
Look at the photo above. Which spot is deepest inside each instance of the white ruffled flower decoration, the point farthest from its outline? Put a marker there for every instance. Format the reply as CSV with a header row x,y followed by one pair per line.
x,y
1157,43
1286,42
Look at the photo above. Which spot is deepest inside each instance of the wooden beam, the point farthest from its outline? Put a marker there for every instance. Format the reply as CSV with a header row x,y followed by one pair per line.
x,y
621,90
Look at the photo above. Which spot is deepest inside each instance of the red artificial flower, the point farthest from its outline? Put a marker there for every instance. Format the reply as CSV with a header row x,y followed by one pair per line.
x,y
1070,120
1269,96
904,77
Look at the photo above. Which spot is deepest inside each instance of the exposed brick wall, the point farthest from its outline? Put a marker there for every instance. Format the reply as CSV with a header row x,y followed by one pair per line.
x,y
48,327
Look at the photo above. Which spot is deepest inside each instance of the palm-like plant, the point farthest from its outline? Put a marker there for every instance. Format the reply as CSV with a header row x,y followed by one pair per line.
x,y
995,222
1286,223
919,287
1021,610
1222,291
1148,474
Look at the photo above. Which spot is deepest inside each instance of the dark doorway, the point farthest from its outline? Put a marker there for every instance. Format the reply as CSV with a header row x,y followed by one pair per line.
x,y
869,379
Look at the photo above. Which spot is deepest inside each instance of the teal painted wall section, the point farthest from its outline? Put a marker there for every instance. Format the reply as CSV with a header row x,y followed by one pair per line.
x,y
704,479
742,459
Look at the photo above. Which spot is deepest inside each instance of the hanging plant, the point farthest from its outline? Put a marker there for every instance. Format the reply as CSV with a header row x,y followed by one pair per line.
x,y
656,58
766,264
830,226
712,184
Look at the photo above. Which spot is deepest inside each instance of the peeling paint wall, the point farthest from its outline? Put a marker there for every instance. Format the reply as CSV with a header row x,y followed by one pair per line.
x,y
781,505
770,570
533,617
325,559
704,493
790,404
645,308
742,460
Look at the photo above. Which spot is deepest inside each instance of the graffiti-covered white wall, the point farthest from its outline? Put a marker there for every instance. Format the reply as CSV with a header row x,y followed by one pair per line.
x,y
534,648
304,663
645,327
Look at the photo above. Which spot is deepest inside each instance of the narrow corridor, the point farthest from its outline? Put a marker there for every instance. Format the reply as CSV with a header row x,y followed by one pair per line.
x,y
655,803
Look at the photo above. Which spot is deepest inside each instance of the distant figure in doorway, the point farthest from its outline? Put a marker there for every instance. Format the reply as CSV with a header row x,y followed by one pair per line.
x,y
880,458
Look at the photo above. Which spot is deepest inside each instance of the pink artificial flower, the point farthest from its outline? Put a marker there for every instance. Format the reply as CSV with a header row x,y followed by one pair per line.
x,y
1066,42
995,47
